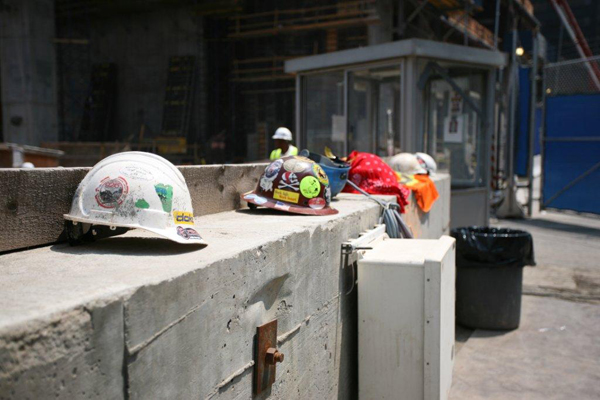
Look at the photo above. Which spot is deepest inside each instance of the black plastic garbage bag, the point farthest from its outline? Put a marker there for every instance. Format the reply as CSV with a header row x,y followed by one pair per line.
x,y
493,247
489,276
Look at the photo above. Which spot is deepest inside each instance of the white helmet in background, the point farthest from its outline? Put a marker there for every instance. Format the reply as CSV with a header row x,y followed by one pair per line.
x,y
137,190
283,134
427,162
407,163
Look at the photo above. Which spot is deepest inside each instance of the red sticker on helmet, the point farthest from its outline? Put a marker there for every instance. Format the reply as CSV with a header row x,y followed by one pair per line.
x,y
317,203
111,192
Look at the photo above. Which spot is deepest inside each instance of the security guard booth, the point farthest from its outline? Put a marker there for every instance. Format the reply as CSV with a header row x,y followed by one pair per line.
x,y
406,96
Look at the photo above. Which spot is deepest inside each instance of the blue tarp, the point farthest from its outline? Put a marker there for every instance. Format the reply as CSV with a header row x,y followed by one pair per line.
x,y
572,117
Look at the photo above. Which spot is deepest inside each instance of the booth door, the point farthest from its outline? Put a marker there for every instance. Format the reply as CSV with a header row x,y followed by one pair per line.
x,y
374,110
454,134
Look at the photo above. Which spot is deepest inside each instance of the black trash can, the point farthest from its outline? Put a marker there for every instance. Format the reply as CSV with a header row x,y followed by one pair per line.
x,y
489,276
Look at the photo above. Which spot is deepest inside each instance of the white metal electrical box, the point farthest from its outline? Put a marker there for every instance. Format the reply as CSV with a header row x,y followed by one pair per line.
x,y
406,319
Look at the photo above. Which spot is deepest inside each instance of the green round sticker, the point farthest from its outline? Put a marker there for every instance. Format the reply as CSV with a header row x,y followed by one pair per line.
x,y
310,187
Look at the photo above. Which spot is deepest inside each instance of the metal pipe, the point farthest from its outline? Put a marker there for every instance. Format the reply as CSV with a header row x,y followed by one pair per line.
x,y
512,112
496,23
543,139
532,108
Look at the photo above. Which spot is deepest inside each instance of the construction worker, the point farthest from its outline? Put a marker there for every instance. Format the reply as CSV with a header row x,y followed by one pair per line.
x,y
283,145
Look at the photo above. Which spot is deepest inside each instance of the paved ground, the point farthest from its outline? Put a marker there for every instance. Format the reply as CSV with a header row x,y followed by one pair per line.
x,y
555,353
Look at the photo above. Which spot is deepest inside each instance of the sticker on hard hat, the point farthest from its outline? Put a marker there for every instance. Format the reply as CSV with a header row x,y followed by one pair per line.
x,y
183,217
317,203
266,184
188,233
111,192
165,194
257,199
295,165
323,178
273,169
289,180
142,203
310,187
281,206
285,195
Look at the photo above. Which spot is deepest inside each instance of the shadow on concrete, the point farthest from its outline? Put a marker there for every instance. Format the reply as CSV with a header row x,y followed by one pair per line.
x,y
131,246
557,226
483,333
462,334
271,211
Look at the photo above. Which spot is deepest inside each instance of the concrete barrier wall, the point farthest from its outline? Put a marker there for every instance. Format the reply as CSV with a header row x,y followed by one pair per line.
x,y
135,316
32,202
139,317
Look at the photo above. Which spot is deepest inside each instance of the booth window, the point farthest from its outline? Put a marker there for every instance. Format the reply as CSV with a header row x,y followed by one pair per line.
x,y
324,118
454,133
374,110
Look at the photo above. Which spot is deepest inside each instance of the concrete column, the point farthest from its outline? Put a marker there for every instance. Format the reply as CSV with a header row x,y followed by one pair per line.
x,y
28,71
382,32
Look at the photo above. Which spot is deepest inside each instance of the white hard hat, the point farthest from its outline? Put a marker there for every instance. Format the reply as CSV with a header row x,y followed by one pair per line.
x,y
283,133
407,163
27,165
137,190
427,162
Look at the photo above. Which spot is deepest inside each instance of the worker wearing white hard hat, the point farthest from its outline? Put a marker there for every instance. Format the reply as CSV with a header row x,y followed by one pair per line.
x,y
283,145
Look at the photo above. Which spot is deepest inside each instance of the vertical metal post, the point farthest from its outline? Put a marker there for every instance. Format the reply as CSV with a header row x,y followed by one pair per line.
x,y
532,108
496,23
346,101
488,126
409,117
510,207
543,138
513,110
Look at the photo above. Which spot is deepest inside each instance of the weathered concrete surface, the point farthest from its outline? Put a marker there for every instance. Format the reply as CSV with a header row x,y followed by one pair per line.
x,y
567,250
188,315
436,222
33,202
32,207
66,355
554,354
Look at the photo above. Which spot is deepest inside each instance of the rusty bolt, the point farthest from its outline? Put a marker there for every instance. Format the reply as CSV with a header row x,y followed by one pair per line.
x,y
273,356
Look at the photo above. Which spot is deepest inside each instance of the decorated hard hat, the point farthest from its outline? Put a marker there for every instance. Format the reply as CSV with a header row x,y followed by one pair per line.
x,y
137,190
295,184
336,170
427,162
406,163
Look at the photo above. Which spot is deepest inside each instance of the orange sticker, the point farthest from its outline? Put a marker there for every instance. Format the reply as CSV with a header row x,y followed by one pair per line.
x,y
285,195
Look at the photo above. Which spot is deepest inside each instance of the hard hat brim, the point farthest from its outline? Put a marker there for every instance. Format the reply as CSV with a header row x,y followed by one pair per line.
x,y
291,208
168,233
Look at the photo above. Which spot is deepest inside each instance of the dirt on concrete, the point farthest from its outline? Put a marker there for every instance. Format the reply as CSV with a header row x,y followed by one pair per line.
x,y
555,353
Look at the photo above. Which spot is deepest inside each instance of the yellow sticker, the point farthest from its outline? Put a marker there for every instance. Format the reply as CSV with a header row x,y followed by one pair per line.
x,y
285,195
323,178
183,217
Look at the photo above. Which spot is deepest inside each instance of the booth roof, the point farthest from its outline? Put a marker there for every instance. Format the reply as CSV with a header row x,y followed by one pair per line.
x,y
404,48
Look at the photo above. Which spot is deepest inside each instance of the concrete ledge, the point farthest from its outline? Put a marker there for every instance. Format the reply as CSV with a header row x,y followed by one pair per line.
x,y
33,204
146,318
31,210
436,222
